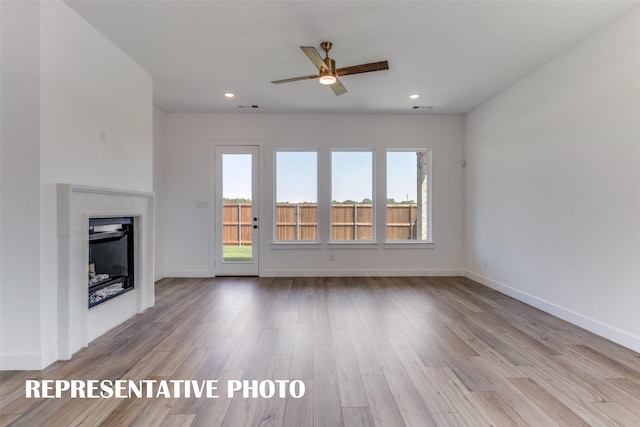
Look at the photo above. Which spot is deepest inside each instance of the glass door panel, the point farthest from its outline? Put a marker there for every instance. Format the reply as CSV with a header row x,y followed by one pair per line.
x,y
236,228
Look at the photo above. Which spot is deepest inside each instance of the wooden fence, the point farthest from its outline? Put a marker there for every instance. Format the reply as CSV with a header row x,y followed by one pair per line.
x,y
296,221
299,222
236,224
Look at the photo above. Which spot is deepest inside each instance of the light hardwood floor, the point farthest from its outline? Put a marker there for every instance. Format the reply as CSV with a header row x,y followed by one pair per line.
x,y
371,352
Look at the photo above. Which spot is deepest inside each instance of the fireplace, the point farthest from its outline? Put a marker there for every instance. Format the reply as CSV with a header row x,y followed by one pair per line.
x,y
111,258
94,222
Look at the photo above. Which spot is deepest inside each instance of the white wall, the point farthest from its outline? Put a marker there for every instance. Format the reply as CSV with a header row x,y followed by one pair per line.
x,y
159,118
74,83
553,186
189,179
20,334
88,86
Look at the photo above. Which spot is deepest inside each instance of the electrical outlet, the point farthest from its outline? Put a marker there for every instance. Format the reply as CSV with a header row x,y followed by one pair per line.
x,y
332,257
485,263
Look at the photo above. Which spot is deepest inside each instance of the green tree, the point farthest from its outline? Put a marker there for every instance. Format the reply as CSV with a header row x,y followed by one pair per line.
x,y
236,200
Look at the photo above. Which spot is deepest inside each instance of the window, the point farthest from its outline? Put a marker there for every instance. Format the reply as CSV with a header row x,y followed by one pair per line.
x,y
296,213
352,196
408,208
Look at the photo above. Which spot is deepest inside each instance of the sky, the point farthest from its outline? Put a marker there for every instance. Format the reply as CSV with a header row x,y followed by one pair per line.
x,y
236,176
402,175
296,176
351,175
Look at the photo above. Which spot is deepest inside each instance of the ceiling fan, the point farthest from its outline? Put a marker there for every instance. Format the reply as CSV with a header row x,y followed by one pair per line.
x,y
327,68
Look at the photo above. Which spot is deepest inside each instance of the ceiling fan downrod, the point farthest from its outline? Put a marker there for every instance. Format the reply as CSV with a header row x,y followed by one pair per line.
x,y
328,76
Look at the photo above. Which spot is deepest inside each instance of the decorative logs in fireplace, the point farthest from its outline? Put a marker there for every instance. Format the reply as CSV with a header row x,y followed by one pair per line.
x,y
111,258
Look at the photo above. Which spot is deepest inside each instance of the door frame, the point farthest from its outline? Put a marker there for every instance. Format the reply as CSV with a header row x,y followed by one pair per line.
x,y
215,247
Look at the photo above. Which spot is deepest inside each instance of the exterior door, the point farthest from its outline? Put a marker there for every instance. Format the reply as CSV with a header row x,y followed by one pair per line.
x,y
236,198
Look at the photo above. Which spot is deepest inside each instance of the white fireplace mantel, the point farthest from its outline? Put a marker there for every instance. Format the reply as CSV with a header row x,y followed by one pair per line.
x,y
77,324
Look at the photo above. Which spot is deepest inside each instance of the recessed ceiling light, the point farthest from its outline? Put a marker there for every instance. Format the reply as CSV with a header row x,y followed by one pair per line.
x,y
229,94
414,96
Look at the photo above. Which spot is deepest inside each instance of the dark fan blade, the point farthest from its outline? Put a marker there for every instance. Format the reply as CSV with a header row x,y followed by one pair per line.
x,y
363,68
338,88
314,56
295,79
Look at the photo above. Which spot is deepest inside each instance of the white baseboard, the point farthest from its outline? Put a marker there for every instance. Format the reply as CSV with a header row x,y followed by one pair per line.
x,y
187,273
325,273
20,362
604,330
28,362
368,272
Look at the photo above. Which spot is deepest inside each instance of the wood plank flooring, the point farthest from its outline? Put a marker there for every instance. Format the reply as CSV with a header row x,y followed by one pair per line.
x,y
371,352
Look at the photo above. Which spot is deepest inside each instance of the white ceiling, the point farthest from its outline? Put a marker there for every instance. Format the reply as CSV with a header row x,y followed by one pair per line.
x,y
455,54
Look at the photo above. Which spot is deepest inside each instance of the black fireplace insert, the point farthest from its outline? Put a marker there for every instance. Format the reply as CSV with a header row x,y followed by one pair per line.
x,y
111,258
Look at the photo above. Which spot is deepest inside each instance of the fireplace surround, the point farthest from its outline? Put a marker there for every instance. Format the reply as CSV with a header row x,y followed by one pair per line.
x,y
78,324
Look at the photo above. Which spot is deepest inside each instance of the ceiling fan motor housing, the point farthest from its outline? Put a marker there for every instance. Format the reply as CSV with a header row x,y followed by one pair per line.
x,y
331,65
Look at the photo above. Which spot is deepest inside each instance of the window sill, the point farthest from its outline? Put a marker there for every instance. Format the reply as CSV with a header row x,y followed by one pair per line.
x,y
408,244
307,244
351,244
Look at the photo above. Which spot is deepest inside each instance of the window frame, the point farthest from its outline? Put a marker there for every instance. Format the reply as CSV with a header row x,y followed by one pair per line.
x,y
362,243
294,244
407,244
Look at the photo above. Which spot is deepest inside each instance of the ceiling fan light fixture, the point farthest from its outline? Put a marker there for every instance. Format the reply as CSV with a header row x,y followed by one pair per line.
x,y
327,79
